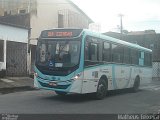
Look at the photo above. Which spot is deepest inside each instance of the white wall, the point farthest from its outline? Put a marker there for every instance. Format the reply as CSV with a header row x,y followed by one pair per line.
x,y
13,33
10,33
47,16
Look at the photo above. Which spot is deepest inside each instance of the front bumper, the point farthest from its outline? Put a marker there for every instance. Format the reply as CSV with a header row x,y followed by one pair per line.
x,y
69,86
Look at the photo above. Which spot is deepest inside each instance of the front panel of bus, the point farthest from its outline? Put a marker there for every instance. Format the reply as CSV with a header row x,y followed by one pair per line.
x,y
58,63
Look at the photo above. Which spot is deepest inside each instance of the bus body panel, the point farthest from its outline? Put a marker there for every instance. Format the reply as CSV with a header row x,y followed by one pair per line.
x,y
119,76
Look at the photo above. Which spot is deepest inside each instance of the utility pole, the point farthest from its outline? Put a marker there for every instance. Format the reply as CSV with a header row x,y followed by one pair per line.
x,y
29,6
121,23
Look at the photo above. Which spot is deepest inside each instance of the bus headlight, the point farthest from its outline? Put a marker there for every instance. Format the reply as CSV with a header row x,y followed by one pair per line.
x,y
76,77
36,74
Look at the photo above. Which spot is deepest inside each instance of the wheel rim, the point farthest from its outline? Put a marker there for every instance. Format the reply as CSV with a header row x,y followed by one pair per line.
x,y
101,91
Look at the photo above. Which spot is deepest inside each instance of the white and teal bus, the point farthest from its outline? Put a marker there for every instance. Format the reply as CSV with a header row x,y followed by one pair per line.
x,y
82,61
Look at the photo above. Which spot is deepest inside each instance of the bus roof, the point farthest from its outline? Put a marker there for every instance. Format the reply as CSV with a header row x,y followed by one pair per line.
x,y
114,40
74,32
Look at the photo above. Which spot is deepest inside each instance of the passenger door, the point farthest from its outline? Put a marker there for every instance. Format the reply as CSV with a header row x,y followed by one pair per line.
x,y
91,72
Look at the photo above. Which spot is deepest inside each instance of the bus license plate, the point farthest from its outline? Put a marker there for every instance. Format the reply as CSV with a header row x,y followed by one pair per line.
x,y
52,84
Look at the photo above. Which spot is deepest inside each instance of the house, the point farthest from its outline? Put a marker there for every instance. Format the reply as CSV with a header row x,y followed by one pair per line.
x,y
13,50
42,14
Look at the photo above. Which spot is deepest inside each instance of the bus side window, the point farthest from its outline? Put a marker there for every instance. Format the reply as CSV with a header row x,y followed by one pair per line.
x,y
126,58
86,50
93,52
147,59
134,57
117,53
106,52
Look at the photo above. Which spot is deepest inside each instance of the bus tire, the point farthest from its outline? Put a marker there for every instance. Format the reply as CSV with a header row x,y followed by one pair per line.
x,y
101,89
60,93
136,85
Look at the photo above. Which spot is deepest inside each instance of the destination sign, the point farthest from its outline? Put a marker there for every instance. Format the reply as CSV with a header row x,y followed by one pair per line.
x,y
61,33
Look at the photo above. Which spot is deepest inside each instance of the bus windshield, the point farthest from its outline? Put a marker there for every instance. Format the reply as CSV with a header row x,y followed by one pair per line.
x,y
58,55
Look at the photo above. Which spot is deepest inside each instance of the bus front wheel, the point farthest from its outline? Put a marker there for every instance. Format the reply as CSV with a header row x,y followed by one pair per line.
x,y
101,89
60,93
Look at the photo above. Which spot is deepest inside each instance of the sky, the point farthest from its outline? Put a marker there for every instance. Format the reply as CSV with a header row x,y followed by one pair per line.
x,y
138,15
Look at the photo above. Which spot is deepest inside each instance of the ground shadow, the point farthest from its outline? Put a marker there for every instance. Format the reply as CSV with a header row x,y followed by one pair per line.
x,y
75,98
16,89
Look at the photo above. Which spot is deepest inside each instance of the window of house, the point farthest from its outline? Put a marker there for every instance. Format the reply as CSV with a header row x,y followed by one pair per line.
x,y
1,51
60,21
